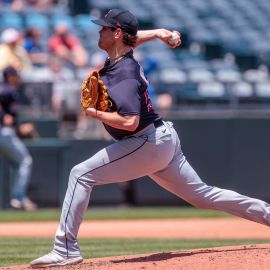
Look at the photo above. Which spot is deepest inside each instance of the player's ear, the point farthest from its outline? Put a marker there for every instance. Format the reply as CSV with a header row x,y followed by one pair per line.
x,y
118,33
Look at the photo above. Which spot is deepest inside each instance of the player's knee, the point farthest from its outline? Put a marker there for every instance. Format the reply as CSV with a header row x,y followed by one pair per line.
x,y
75,172
27,161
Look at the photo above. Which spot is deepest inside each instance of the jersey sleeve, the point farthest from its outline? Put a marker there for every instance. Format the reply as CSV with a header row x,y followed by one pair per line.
x,y
126,97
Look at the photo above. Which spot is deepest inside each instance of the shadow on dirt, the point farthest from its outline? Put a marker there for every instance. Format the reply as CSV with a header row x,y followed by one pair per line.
x,y
169,255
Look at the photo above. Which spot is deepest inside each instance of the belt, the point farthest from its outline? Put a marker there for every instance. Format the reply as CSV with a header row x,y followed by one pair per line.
x,y
158,123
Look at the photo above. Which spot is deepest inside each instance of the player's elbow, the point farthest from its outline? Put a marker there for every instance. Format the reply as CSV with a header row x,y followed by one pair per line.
x,y
132,123
132,127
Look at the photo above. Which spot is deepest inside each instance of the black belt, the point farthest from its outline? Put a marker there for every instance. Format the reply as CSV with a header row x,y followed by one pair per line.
x,y
158,123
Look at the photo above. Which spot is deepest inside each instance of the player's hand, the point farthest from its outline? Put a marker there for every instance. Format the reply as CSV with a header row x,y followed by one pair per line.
x,y
165,35
90,112
8,120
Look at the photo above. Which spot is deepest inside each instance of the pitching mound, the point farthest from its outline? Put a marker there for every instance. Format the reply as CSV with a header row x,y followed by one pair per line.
x,y
250,257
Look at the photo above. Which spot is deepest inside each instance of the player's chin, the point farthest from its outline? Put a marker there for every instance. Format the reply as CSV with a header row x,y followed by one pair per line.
x,y
101,45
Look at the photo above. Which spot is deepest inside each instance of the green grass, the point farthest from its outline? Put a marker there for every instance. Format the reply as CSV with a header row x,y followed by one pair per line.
x,y
113,214
22,250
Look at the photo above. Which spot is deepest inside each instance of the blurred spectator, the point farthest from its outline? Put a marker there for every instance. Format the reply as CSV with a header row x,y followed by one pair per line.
x,y
15,5
32,45
61,76
11,147
39,5
42,5
162,101
12,53
67,47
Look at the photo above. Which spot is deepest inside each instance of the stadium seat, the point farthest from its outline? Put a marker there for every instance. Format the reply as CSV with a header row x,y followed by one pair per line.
x,y
262,90
188,94
228,76
172,76
37,20
13,20
221,64
211,90
83,22
55,19
194,64
242,89
255,75
200,75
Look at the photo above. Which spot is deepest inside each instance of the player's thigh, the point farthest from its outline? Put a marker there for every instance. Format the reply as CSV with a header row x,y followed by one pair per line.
x,y
13,148
180,179
125,160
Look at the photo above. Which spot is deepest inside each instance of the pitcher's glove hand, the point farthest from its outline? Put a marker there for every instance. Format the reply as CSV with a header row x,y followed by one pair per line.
x,y
94,93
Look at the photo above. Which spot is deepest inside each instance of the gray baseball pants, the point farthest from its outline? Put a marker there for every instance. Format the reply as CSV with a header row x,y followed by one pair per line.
x,y
155,152
12,148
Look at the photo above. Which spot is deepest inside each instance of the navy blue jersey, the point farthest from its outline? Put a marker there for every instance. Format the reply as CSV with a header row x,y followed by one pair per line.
x,y
8,101
127,89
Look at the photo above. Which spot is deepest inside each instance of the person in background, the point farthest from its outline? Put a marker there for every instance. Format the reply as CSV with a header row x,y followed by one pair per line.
x,y
41,5
11,146
67,47
12,53
162,101
33,47
15,5
59,74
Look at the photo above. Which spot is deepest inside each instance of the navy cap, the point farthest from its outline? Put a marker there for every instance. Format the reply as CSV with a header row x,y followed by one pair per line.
x,y
122,19
10,71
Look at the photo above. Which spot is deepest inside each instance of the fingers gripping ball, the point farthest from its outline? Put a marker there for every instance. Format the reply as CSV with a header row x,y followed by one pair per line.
x,y
94,93
175,38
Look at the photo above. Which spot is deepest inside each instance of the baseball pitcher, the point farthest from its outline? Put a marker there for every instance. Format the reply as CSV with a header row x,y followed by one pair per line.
x,y
144,143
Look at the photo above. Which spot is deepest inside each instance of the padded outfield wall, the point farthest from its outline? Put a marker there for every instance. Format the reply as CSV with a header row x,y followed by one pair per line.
x,y
228,152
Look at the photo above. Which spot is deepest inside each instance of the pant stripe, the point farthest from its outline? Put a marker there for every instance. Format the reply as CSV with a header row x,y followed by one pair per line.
x,y
145,140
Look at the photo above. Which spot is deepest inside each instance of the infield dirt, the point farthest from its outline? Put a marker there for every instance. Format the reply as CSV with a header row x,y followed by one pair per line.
x,y
248,257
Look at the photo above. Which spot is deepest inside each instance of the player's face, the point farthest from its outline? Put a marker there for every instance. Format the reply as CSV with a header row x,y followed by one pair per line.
x,y
106,38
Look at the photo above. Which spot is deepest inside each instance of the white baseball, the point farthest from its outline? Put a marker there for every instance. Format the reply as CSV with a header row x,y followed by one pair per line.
x,y
175,37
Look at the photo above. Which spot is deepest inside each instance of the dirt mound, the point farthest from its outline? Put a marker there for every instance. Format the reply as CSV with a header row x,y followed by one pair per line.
x,y
249,257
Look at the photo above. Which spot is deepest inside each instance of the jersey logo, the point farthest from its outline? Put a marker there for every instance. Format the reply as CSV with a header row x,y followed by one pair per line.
x,y
146,94
148,101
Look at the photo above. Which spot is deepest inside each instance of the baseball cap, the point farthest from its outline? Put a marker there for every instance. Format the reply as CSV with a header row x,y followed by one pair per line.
x,y
118,18
9,71
10,35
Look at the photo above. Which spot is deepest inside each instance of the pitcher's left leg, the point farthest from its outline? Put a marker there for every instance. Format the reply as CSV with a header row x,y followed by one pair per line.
x,y
180,179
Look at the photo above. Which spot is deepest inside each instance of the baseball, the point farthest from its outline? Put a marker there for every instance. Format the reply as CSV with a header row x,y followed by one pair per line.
x,y
175,37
